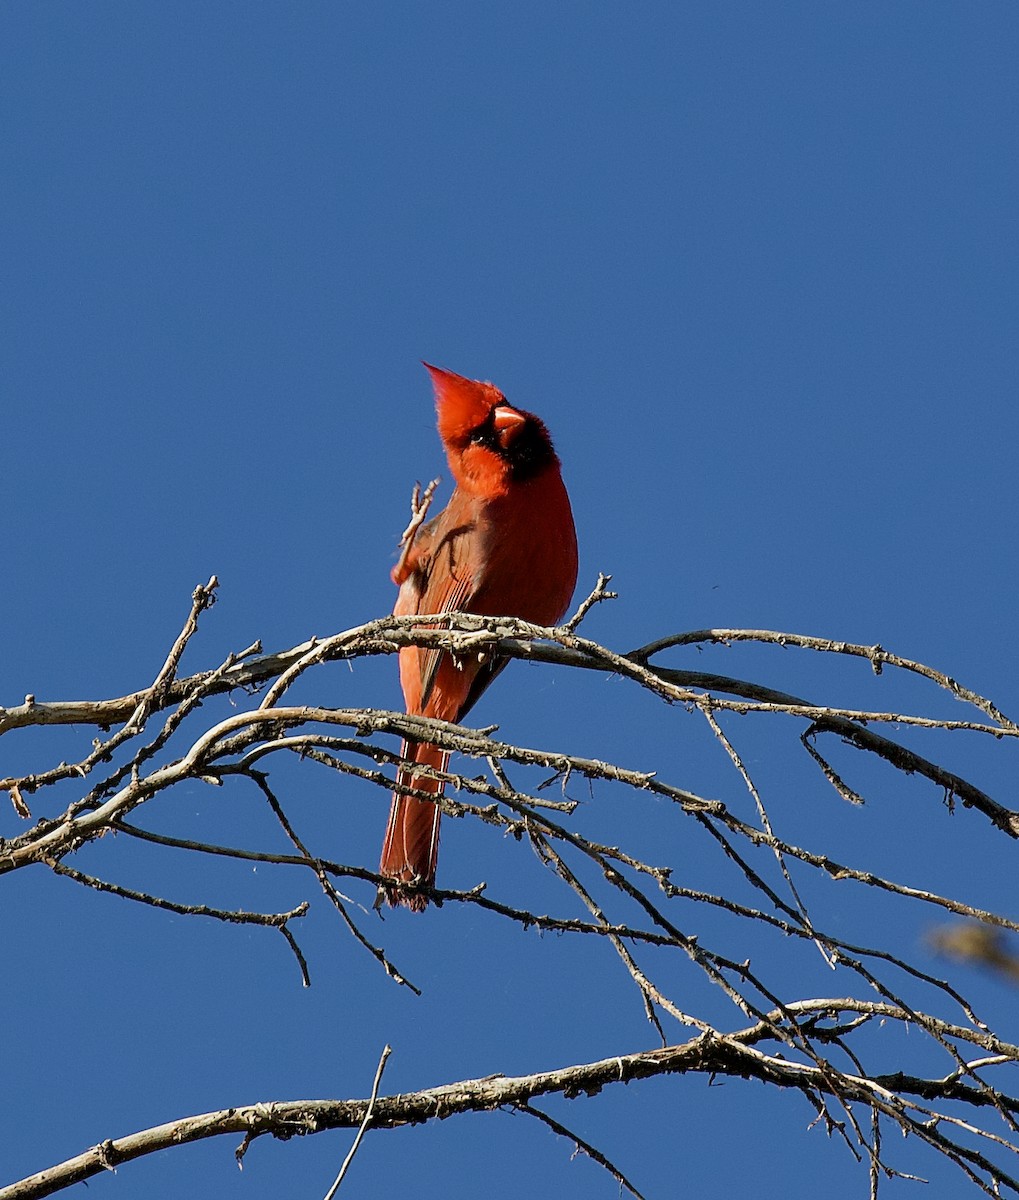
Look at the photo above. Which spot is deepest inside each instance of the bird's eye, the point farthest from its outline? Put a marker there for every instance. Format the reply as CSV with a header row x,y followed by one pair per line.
x,y
481,435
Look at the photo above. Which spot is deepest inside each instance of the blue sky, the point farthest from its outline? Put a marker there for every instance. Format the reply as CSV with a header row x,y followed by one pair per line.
x,y
753,264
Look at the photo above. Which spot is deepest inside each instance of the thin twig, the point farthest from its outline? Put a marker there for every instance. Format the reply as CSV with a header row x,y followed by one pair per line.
x,y
369,1113
584,1146
339,902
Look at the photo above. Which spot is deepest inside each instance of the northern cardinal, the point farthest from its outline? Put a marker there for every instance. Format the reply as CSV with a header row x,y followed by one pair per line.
x,y
504,545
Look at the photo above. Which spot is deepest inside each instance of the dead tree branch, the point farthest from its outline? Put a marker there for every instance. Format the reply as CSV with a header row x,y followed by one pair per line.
x,y
768,885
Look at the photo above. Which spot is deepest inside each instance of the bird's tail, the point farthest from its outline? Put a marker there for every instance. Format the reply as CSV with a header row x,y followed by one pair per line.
x,y
411,846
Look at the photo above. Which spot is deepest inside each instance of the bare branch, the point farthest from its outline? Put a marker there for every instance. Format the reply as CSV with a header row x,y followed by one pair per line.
x,y
635,903
709,1053
584,1147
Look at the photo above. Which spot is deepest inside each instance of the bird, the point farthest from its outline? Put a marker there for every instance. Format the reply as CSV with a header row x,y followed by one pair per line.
x,y
504,545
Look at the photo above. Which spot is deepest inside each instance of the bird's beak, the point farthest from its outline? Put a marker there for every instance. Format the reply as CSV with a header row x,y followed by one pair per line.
x,y
508,423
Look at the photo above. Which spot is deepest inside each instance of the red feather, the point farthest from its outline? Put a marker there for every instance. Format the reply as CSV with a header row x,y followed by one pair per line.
x,y
505,545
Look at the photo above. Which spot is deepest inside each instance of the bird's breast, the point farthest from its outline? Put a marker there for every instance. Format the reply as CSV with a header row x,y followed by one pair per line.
x,y
527,548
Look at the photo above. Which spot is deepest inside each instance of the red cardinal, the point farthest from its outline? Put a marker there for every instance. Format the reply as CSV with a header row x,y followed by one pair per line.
x,y
505,545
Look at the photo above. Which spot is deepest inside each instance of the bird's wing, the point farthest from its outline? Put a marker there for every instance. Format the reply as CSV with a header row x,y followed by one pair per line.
x,y
442,577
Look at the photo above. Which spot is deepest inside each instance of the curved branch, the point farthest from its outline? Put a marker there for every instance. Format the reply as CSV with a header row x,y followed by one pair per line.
x,y
710,1053
517,639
